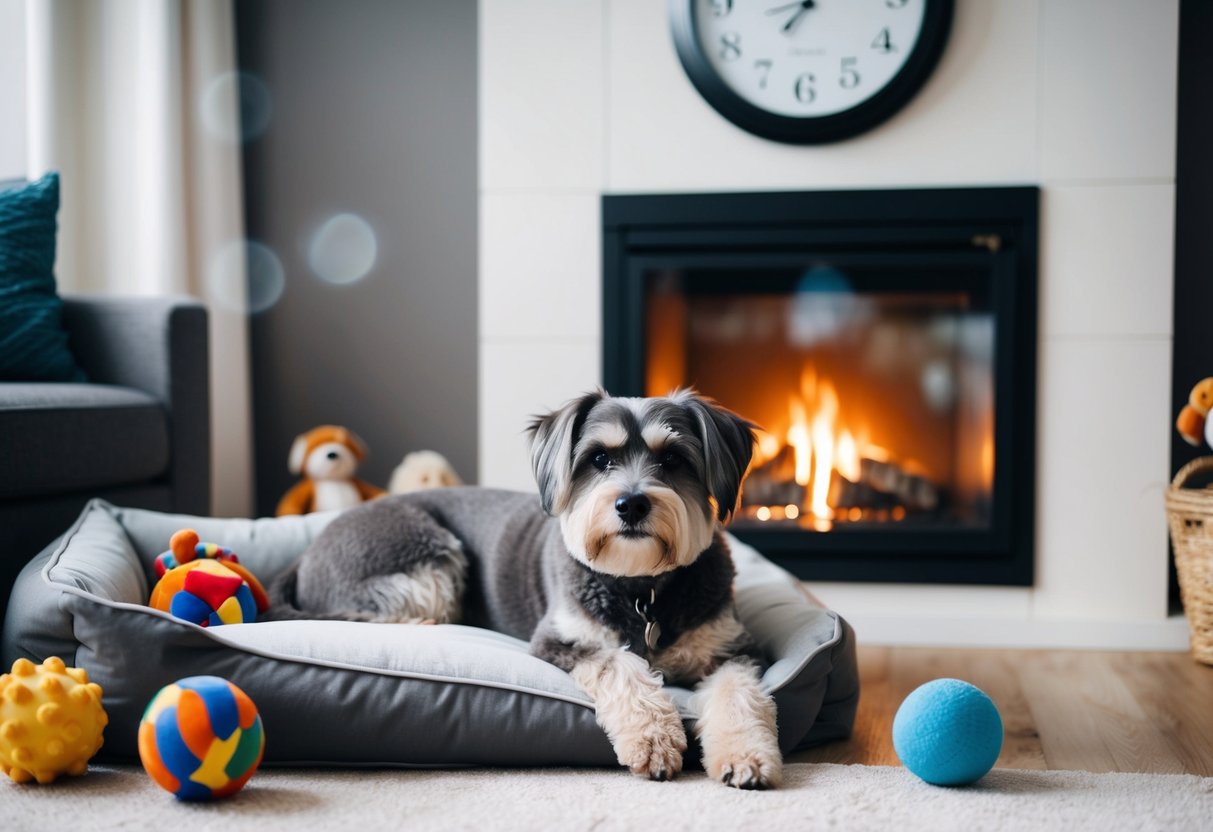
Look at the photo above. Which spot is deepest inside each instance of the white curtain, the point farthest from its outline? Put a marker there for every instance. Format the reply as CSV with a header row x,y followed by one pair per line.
x,y
135,103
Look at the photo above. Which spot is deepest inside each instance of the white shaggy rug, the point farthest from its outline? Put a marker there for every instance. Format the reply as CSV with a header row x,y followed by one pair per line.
x,y
813,797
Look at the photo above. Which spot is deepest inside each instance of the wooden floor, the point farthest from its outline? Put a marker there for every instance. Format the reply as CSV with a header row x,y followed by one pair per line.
x,y
1086,711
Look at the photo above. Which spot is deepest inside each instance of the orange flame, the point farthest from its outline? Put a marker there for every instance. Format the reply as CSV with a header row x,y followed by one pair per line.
x,y
824,445
821,443
799,441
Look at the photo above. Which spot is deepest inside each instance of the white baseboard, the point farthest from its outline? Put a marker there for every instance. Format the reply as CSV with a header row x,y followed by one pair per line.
x,y
1170,634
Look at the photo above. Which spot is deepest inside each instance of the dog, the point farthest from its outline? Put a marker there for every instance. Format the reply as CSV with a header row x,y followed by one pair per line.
x,y
617,574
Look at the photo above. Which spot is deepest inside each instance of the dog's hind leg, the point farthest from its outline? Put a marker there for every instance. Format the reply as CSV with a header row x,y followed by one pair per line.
x,y
428,588
284,605
386,561
429,593
736,728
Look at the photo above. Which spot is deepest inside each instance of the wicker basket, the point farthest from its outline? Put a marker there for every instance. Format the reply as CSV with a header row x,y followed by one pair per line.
x,y
1190,516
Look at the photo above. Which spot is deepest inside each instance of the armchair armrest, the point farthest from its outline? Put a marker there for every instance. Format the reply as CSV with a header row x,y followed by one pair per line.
x,y
157,345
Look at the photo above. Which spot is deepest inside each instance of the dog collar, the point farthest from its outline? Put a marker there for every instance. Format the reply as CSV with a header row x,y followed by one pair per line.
x,y
644,608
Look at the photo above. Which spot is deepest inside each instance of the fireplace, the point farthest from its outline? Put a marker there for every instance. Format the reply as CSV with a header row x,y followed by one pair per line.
x,y
884,342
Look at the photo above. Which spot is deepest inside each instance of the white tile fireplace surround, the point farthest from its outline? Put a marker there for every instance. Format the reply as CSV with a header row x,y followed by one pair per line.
x,y
581,99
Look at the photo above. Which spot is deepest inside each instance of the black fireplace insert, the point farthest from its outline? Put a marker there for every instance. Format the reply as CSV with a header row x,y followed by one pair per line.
x,y
885,343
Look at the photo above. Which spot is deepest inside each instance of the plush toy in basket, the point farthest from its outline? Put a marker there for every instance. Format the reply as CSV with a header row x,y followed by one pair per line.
x,y
1190,518
1193,422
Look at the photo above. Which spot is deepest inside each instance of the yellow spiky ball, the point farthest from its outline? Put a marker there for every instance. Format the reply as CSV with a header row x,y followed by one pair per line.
x,y
51,720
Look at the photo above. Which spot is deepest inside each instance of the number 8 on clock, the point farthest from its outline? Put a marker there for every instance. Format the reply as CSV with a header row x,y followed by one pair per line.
x,y
809,71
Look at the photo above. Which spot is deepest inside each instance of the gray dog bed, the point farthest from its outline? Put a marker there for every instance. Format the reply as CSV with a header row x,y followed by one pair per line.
x,y
346,693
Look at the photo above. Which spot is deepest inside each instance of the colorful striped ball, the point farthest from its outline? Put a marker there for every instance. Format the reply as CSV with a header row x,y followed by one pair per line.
x,y
201,738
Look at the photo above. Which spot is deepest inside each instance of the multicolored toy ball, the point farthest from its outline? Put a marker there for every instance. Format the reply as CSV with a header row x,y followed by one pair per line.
x,y
205,592
201,738
948,732
205,584
185,547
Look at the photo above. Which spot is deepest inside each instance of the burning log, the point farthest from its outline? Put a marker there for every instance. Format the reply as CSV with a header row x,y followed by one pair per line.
x,y
773,483
881,486
845,494
767,491
910,490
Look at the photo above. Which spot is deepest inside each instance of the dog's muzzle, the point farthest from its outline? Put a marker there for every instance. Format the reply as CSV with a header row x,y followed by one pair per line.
x,y
633,509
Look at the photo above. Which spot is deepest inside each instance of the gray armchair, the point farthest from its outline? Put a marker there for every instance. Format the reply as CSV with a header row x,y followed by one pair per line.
x,y
138,434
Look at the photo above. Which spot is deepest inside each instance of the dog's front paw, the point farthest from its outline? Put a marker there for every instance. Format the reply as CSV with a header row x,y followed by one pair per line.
x,y
655,750
737,728
755,770
631,706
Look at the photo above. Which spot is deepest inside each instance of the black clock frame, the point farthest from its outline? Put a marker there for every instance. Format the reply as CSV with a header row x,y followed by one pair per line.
x,y
936,26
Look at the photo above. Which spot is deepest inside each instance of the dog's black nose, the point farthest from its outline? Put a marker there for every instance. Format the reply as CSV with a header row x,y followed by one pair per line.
x,y
331,455
632,508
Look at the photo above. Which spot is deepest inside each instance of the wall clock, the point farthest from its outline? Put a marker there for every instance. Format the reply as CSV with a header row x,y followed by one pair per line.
x,y
810,71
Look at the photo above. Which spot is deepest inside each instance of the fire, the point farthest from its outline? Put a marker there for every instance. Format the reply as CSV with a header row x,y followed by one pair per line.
x,y
799,442
848,456
824,448
820,443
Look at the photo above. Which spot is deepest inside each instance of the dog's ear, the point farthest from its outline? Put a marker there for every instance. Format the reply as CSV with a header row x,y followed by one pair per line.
x,y
728,444
553,438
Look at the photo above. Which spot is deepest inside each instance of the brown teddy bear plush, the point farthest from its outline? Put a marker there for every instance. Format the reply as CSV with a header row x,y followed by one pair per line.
x,y
326,457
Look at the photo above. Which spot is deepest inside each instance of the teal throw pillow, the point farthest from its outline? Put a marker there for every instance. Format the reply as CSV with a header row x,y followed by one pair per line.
x,y
33,343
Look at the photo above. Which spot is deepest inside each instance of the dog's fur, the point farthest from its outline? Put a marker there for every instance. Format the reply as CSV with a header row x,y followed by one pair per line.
x,y
618,574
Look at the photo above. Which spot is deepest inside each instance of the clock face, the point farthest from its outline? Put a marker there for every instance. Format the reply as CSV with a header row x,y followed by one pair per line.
x,y
810,57
808,71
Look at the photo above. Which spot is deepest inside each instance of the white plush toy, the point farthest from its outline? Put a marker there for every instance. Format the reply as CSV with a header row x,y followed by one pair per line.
x,y
421,470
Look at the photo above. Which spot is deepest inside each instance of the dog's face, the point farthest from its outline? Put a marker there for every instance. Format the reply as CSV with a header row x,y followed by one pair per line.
x,y
639,484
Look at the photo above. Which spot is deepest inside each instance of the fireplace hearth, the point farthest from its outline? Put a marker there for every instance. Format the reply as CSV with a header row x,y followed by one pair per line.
x,y
884,342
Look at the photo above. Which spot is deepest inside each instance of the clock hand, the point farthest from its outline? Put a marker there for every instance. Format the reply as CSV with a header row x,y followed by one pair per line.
x,y
787,27
779,9
800,7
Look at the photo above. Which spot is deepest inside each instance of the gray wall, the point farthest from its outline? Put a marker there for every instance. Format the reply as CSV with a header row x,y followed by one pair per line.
x,y
374,113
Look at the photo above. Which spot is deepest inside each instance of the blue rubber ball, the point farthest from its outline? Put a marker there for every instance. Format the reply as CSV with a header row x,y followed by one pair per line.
x,y
948,732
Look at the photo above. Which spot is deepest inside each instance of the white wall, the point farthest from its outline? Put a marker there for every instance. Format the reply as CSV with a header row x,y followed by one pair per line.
x,y
12,89
1078,96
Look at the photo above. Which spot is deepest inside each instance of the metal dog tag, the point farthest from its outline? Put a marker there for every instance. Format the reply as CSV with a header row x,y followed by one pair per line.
x,y
652,632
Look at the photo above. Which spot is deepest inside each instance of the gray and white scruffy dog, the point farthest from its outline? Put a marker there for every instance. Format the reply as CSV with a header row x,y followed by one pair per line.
x,y
618,574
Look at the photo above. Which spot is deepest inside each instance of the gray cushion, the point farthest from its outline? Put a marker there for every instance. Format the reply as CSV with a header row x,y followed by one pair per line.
x,y
383,694
60,438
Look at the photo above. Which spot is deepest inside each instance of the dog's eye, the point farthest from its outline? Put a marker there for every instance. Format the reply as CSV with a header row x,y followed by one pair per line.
x,y
670,461
602,460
